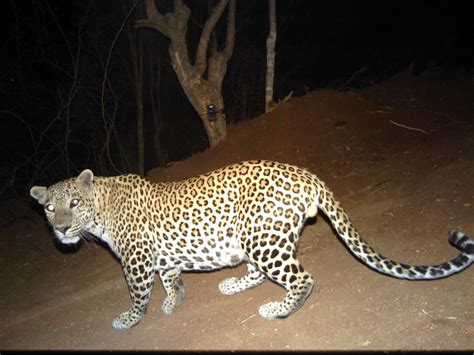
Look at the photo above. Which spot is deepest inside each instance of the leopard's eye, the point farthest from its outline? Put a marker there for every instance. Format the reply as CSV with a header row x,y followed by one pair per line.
x,y
74,203
49,207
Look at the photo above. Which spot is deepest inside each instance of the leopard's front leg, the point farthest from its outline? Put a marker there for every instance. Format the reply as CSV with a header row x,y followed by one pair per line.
x,y
139,273
174,289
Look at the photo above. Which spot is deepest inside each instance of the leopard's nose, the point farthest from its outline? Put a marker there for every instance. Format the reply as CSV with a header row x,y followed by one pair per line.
x,y
63,229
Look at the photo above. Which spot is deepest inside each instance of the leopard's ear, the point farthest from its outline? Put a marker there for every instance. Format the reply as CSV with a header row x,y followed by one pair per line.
x,y
39,193
85,179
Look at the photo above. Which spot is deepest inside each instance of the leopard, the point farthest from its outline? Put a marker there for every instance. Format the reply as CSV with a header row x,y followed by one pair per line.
x,y
251,212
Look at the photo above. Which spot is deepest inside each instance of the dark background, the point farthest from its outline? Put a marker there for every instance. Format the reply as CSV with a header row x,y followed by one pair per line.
x,y
54,55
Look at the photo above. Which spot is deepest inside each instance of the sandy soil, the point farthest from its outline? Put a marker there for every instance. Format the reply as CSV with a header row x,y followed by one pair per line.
x,y
404,188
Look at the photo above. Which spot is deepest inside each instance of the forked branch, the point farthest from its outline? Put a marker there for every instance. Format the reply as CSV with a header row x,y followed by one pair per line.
x,y
201,61
229,42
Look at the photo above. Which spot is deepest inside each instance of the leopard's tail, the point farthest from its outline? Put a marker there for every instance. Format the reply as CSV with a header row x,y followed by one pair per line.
x,y
346,230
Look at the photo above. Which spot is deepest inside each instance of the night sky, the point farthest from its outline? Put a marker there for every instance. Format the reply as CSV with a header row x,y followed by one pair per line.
x,y
54,54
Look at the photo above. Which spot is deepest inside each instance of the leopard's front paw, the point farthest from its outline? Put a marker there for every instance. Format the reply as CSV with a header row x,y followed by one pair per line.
x,y
127,320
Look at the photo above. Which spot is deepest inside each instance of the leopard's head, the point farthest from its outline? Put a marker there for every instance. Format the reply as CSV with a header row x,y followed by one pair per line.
x,y
68,205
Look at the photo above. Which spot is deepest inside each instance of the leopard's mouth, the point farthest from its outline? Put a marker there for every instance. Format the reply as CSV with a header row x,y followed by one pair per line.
x,y
69,240
65,238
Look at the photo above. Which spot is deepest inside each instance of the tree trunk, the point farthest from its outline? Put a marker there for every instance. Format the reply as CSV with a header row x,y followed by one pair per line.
x,y
135,39
139,104
160,154
271,41
200,92
202,97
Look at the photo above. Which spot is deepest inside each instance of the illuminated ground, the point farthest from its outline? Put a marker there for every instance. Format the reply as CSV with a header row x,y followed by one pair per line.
x,y
405,188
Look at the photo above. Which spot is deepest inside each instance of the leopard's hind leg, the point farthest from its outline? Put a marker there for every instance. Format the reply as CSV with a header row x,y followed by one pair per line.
x,y
233,285
279,263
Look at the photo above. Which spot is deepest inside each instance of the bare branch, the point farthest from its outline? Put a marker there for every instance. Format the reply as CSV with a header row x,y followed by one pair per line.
x,y
211,22
214,35
273,105
229,42
155,19
361,70
106,78
26,124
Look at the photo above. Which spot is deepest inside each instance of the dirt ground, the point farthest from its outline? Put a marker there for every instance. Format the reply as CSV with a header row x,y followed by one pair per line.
x,y
404,186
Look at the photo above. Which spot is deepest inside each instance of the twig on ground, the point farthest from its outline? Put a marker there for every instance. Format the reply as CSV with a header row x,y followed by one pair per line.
x,y
246,319
379,111
410,128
